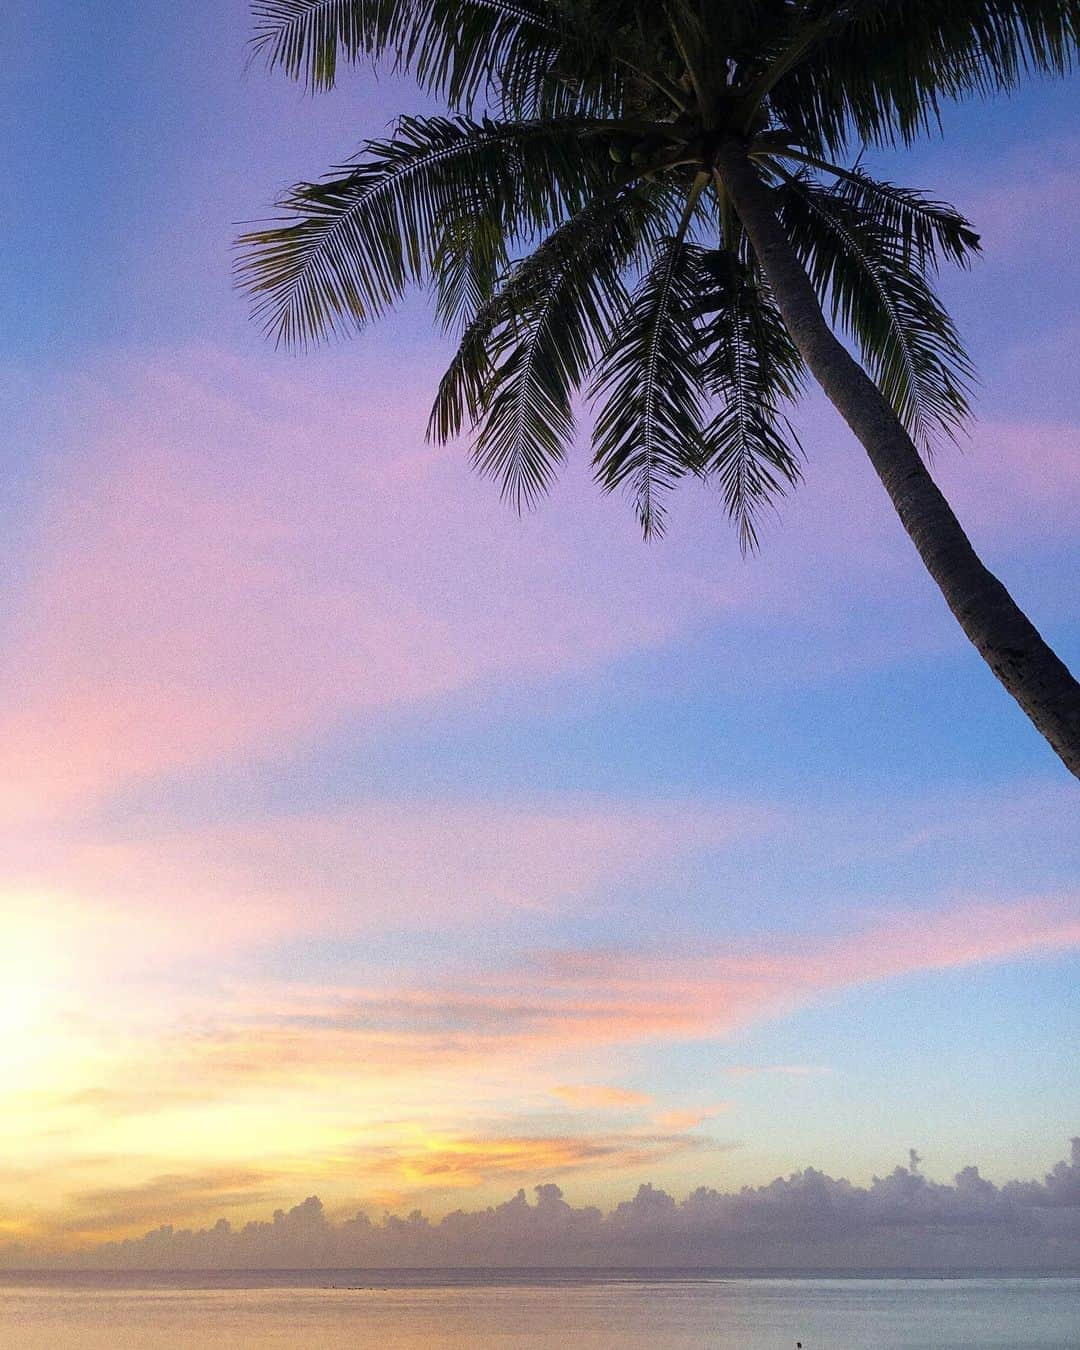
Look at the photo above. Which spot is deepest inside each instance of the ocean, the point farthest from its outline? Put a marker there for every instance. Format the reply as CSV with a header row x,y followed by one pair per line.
x,y
534,1310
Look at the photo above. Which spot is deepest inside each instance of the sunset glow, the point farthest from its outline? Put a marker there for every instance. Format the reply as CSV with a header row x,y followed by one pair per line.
x,y
364,841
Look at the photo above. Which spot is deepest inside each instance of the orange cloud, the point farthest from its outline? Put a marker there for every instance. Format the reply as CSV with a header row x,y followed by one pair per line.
x,y
599,1097
105,1211
462,1161
689,1119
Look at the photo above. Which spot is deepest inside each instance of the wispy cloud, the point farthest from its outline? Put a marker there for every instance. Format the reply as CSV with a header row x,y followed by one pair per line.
x,y
225,566
689,1118
463,1034
1019,482
784,1070
1029,205
423,865
227,563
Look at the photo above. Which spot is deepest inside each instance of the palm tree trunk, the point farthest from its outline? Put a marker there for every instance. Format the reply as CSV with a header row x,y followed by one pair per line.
x,y
1007,640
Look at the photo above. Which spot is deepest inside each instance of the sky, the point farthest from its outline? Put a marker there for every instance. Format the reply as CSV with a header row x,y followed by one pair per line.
x,y
364,841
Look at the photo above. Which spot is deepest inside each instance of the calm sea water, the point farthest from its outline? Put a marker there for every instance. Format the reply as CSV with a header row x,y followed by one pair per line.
x,y
536,1310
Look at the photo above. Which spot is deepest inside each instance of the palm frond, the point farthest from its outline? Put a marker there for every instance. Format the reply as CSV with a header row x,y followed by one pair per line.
x,y
879,293
460,397
453,47
305,38
560,307
752,368
929,231
648,431
347,247
466,264
607,235
880,70
527,58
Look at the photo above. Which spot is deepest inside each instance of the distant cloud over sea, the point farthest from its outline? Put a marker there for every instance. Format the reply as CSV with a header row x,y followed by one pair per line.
x,y
806,1221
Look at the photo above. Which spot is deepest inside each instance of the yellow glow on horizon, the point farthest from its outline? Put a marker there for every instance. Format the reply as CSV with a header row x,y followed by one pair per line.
x,y
35,972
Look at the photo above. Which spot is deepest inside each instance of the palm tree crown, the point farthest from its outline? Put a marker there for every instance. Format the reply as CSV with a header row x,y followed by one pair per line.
x,y
578,236
653,202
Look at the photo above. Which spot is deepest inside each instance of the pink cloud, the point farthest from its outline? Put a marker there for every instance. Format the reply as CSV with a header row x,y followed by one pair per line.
x,y
623,995
232,562
569,999
964,935
225,570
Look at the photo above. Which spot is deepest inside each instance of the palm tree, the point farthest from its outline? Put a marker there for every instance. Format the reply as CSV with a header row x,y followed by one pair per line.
x,y
653,202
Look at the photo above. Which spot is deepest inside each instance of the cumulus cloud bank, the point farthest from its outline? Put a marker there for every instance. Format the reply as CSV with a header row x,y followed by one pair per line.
x,y
806,1221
